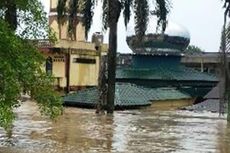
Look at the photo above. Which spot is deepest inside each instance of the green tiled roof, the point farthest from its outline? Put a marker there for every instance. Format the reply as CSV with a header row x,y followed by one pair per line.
x,y
130,95
126,94
178,73
83,97
166,94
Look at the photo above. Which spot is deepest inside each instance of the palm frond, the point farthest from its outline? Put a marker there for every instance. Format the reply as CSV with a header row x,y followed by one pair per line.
x,y
88,13
162,8
227,7
61,10
141,10
105,14
73,11
126,5
227,39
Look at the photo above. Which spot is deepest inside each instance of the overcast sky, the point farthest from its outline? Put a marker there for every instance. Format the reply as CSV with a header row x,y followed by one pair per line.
x,y
202,18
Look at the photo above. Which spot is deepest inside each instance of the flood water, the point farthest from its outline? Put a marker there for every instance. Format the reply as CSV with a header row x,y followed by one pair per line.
x,y
133,131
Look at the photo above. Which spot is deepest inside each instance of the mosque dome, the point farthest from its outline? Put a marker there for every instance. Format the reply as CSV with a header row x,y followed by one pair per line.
x,y
177,31
176,38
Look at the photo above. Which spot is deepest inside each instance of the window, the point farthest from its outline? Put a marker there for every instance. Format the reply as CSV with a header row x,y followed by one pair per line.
x,y
49,65
84,60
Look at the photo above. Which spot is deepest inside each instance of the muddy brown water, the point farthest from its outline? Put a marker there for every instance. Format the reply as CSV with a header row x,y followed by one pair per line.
x,y
133,131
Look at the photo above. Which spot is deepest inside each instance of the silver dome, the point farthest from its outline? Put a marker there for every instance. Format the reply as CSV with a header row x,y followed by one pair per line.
x,y
175,39
172,29
177,30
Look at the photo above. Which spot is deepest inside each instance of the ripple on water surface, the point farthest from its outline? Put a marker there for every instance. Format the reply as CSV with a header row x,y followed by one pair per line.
x,y
80,130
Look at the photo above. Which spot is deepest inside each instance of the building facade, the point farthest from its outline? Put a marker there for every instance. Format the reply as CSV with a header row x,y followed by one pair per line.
x,y
153,75
205,62
74,63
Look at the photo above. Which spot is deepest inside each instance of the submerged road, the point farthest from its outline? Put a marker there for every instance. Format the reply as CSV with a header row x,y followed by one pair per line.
x,y
133,131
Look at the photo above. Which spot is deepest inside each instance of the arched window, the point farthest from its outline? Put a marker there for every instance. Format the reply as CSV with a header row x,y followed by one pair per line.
x,y
49,65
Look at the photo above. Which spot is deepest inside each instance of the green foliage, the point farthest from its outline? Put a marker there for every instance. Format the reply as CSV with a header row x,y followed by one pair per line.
x,y
86,7
29,18
21,62
78,10
192,49
61,9
73,19
105,14
127,4
227,7
49,102
141,17
227,37
161,10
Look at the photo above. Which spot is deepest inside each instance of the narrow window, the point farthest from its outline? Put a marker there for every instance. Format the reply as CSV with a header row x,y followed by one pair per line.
x,y
49,65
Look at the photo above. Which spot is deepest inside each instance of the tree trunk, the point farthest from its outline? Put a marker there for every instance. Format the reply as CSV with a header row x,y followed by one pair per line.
x,y
114,13
102,86
228,118
67,72
11,14
112,68
227,80
225,72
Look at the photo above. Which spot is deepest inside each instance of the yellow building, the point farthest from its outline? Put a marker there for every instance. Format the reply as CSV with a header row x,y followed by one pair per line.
x,y
73,63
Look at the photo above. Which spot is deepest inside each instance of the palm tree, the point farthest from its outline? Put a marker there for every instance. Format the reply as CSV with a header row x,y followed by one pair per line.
x,y
111,13
225,74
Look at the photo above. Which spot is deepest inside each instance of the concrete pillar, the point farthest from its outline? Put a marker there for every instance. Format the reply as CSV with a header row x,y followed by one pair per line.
x,y
201,65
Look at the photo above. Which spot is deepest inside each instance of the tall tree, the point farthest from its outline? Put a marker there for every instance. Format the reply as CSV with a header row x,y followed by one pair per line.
x,y
111,13
225,78
20,66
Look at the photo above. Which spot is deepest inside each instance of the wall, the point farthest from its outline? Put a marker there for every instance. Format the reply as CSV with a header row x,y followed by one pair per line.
x,y
62,33
80,29
171,104
80,33
205,62
58,69
53,4
82,74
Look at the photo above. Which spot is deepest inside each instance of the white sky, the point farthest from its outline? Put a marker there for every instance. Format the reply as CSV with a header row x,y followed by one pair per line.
x,y
202,18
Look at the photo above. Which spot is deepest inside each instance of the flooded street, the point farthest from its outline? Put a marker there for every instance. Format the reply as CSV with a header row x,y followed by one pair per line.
x,y
133,131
